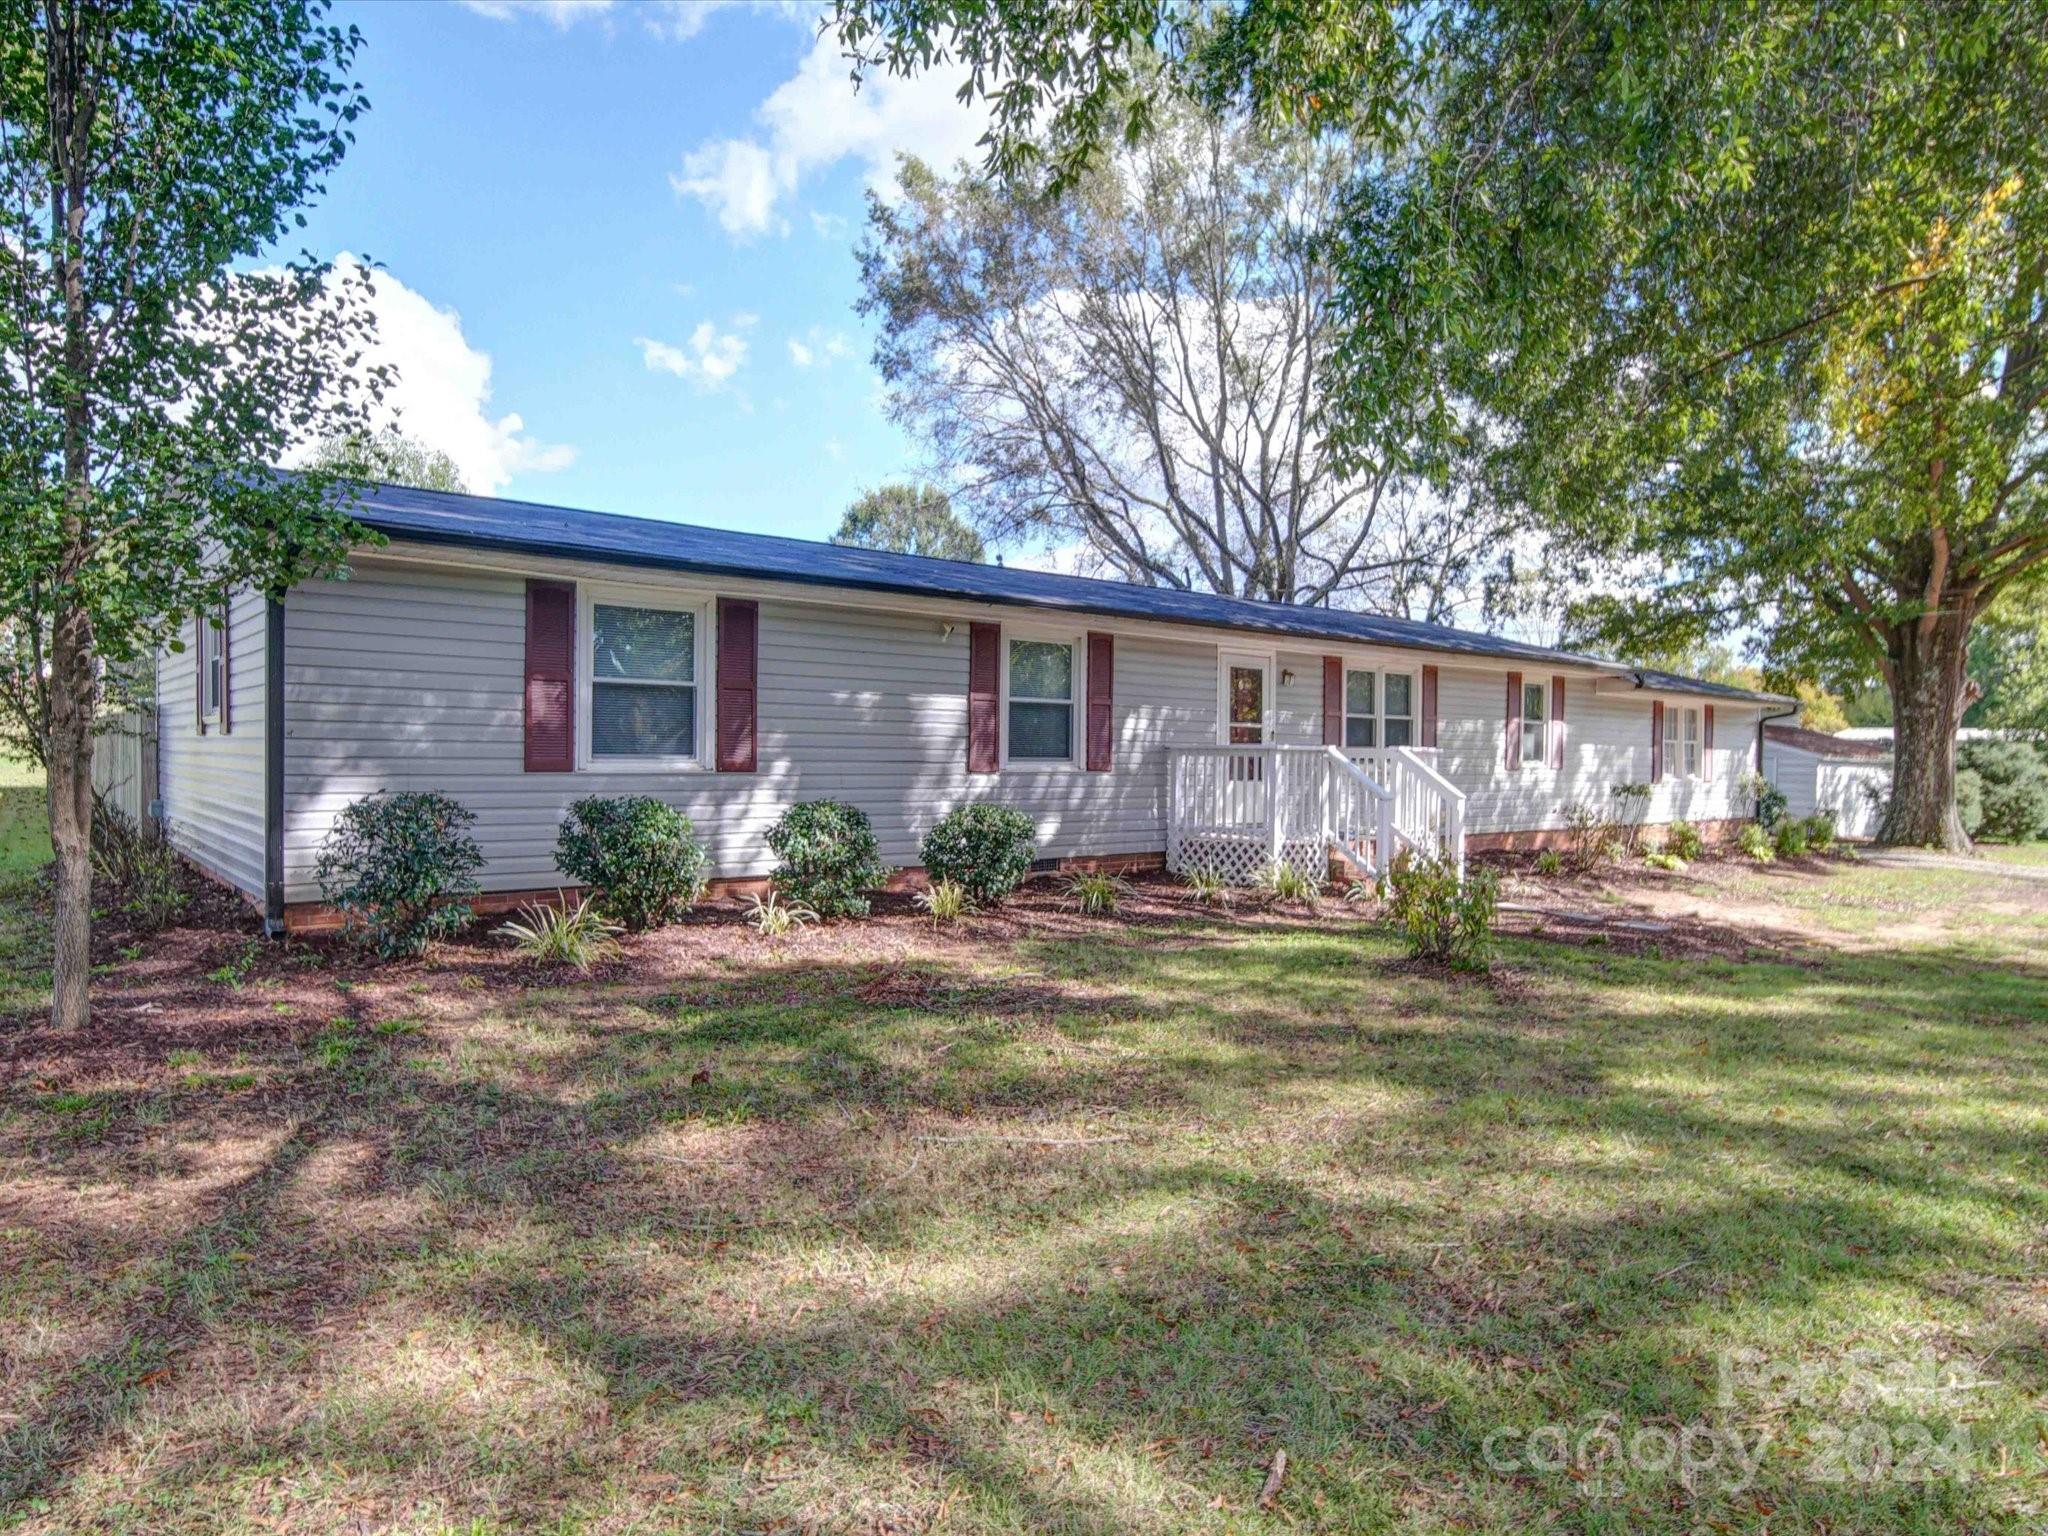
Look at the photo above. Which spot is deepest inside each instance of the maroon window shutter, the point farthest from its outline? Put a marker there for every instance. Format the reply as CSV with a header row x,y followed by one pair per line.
x,y
1657,742
227,677
1333,701
550,676
1557,722
1429,706
984,646
1514,720
1101,700
739,646
199,671
1707,741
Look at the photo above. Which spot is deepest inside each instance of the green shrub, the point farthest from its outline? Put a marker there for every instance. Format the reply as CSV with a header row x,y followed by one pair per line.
x,y
1590,835
1789,840
945,900
400,870
1445,920
640,858
562,935
1096,894
830,859
1665,860
1632,803
1754,842
1766,798
1549,863
1820,831
772,917
1206,884
1284,882
986,850
148,878
2014,789
1683,839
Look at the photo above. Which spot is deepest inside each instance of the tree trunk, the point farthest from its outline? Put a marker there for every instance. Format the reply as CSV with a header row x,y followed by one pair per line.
x,y
69,757
1928,678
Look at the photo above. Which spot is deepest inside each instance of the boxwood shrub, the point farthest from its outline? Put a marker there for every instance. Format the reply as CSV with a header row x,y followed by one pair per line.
x,y
830,859
400,870
639,856
986,850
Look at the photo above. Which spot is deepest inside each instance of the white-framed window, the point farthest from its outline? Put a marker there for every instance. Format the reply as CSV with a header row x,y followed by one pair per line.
x,y
1379,708
1361,708
1681,742
1397,709
646,660
1041,680
1535,721
213,679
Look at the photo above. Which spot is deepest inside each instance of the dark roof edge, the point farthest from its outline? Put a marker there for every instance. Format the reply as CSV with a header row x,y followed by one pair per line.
x,y
400,528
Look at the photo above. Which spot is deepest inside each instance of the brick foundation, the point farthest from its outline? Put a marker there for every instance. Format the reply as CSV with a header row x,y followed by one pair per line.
x,y
1712,832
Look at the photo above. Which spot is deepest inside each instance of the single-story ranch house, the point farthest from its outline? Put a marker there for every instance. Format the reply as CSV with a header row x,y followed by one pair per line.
x,y
519,657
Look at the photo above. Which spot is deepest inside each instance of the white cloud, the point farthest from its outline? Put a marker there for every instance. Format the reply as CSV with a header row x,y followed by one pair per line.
x,y
674,20
710,357
818,348
561,14
814,120
442,393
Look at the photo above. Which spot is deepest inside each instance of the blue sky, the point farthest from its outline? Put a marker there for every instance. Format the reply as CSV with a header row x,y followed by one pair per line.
x,y
618,243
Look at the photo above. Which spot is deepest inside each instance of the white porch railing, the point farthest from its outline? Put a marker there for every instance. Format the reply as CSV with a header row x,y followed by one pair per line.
x,y
1237,810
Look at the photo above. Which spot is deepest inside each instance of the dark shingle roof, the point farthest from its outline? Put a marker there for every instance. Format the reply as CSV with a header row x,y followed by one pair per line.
x,y
482,522
1821,744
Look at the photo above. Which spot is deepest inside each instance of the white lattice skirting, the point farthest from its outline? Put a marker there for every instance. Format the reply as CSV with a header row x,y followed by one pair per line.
x,y
1239,857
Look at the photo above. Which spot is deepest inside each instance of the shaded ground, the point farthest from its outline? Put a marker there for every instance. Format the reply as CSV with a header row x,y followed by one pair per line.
x,y
1046,1223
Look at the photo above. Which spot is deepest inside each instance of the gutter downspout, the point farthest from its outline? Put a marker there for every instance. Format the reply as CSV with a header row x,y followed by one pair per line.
x,y
273,768
1764,720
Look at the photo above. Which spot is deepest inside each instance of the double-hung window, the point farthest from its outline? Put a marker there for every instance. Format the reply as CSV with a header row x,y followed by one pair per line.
x,y
1041,709
643,682
1361,709
212,667
1397,712
1535,721
1379,709
1681,742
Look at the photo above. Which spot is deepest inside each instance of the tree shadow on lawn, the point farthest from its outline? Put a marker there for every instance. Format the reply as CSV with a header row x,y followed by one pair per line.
x,y
771,1286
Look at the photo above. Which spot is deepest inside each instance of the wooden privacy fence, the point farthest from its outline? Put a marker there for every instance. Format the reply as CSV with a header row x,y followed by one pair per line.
x,y
124,764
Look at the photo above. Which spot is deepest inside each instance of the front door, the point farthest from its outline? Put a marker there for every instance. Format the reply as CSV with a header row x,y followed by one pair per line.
x,y
1247,684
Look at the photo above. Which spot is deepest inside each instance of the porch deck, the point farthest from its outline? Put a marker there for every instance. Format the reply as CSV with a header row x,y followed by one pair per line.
x,y
1239,809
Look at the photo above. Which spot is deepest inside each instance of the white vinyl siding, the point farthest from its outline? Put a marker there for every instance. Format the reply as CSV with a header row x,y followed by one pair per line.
x,y
211,784
409,677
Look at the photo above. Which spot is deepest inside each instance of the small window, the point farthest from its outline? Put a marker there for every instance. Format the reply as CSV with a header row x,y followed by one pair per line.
x,y
1041,701
1534,722
212,674
1692,743
1398,713
1361,723
643,682
1674,763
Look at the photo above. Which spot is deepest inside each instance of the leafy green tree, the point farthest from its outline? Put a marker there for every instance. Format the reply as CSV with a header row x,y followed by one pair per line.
x,y
148,151
1757,295
389,456
909,520
2009,663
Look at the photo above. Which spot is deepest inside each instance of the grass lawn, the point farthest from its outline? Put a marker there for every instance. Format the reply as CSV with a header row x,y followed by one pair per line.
x,y
24,849
1049,1225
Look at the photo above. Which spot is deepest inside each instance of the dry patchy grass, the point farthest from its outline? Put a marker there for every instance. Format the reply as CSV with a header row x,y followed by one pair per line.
x,y
1040,1224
